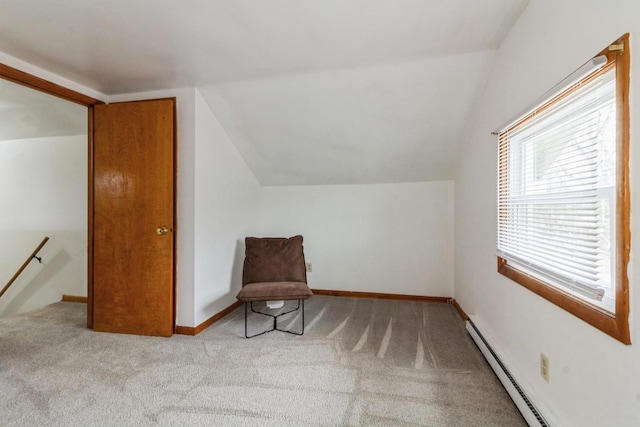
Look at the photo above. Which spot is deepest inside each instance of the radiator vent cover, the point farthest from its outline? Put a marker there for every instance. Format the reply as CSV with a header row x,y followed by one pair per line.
x,y
519,397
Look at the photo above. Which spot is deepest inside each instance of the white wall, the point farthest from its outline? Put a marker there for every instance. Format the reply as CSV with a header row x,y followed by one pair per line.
x,y
595,380
390,238
227,208
379,238
218,200
43,188
393,238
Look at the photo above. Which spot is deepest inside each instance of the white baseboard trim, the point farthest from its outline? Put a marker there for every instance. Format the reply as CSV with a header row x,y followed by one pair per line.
x,y
509,377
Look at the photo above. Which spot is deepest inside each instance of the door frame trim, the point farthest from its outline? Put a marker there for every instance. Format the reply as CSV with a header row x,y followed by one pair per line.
x,y
42,85
29,80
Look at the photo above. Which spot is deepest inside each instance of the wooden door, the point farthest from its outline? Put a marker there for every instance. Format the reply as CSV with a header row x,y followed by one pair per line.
x,y
133,198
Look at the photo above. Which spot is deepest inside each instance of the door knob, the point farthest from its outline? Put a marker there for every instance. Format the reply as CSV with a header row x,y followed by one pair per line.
x,y
162,230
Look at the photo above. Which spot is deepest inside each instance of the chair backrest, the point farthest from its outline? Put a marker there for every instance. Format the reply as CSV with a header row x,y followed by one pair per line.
x,y
274,259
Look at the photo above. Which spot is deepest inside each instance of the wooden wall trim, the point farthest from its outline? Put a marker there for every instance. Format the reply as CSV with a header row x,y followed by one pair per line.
x,y
37,83
73,298
376,295
90,185
193,331
460,310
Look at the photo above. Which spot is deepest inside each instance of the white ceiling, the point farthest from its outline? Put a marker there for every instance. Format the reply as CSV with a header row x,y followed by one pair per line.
x,y
311,92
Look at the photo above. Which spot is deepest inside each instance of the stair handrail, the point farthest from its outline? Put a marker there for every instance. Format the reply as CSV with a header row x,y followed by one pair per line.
x,y
24,265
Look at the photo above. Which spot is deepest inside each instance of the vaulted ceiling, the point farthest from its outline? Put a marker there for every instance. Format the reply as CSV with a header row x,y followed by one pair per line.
x,y
310,92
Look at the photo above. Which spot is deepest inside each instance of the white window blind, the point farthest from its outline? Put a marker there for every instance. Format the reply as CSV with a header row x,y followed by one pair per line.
x,y
557,192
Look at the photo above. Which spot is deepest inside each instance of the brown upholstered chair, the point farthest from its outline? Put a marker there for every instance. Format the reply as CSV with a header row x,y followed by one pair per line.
x,y
274,270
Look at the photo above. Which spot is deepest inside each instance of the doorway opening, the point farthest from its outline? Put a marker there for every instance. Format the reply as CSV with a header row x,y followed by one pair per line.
x,y
43,187
44,152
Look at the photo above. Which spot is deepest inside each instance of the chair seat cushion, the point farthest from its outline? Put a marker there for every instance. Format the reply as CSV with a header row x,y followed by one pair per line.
x,y
274,291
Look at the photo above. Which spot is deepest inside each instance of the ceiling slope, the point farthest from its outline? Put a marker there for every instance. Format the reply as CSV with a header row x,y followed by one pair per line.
x,y
397,122
311,92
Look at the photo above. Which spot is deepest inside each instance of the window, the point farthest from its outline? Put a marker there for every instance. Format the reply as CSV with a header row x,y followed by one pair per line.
x,y
563,194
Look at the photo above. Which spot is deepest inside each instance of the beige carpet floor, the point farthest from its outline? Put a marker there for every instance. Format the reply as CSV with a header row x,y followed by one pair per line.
x,y
360,362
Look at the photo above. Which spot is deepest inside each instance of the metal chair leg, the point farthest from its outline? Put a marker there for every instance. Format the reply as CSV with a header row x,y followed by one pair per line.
x,y
275,320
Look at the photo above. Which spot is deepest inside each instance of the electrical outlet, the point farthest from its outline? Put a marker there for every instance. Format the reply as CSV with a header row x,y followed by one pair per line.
x,y
309,267
544,367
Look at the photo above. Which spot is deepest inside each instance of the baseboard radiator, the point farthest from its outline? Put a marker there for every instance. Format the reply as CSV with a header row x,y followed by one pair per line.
x,y
519,397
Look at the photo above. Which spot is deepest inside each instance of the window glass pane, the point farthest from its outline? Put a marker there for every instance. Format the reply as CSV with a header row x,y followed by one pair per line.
x,y
557,192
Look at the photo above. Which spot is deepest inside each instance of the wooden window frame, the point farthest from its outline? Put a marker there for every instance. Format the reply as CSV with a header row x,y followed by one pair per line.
x,y
616,325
